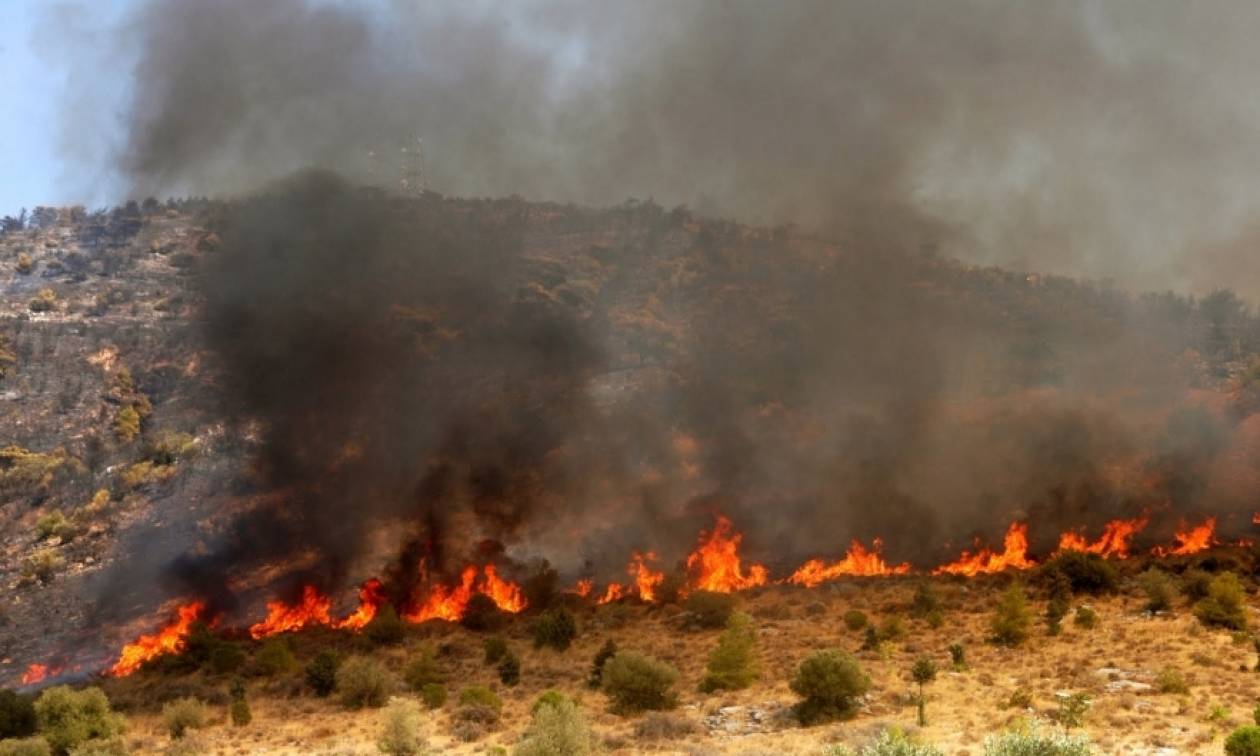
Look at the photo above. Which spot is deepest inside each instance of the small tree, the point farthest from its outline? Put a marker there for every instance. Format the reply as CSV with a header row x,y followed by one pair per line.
x,y
1223,606
69,717
1012,618
923,672
733,665
635,683
925,600
958,655
321,673
829,682
1072,710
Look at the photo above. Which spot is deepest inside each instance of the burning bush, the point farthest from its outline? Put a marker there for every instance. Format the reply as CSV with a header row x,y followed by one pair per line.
x,y
709,610
733,665
1159,589
555,629
184,714
1245,741
69,717
1223,606
1012,618
321,673
400,729
635,682
557,727
17,715
1085,572
363,681
829,684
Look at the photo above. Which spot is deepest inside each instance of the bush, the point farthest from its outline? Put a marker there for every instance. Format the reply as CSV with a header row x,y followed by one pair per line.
x,y
635,682
733,665
479,708
891,629
42,565
548,698
481,614
17,715
321,673
1170,680
275,657
68,717
25,747
386,628
433,694
709,610
184,714
606,652
25,264
557,729
226,657
829,682
1031,742
1085,572
363,681
55,524
44,301
1085,618
890,742
555,629
1012,618
660,725
127,424
1223,606
925,600
114,746
400,729
958,655
1194,584
239,712
422,670
1159,589
510,669
480,695
854,620
495,648
1245,741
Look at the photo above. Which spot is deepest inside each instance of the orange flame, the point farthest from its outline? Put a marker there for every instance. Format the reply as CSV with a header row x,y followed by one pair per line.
x,y
448,603
1014,555
858,561
1255,518
36,673
584,587
168,640
646,580
1114,541
1190,541
313,609
371,598
715,564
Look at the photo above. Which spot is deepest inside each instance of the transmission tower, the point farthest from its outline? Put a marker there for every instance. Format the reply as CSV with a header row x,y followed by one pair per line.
x,y
412,180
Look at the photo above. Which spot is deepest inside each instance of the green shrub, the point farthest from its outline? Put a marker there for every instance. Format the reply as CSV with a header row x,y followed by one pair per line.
x,y
1012,618
482,614
1245,741
184,714
25,747
127,423
422,670
1071,710
433,694
400,729
1085,618
226,657
386,628
363,681
67,717
925,600
923,672
1019,699
854,620
829,683
935,619
733,665
480,695
635,682
321,673
495,648
17,714
548,698
958,656
239,712
557,729
1194,584
275,657
1170,680
55,524
606,652
890,742
555,629
1031,742
709,610
1085,572
509,669
1159,589
891,629
1223,606
42,565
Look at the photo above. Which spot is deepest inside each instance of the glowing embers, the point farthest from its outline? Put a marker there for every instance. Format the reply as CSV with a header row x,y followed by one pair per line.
x,y
1113,543
449,602
1190,540
168,640
1014,555
715,565
859,561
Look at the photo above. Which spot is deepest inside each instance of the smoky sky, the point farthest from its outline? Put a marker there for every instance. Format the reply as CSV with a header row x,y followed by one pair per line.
x,y
1113,140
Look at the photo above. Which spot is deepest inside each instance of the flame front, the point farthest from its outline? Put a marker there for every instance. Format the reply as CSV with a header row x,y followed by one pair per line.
x,y
1113,543
715,564
1014,556
35,673
448,603
168,640
1190,541
371,598
313,609
858,561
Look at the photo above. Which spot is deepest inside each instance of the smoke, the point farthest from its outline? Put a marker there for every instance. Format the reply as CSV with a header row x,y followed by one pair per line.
x,y
424,362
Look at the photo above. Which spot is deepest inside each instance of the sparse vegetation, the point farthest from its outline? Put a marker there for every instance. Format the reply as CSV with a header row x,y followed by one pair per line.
x,y
733,665
45,301
829,684
1085,618
709,610
1072,709
25,264
854,620
363,681
1170,680
555,629
1012,618
25,747
184,714
635,682
55,524
42,565
1223,605
890,742
67,717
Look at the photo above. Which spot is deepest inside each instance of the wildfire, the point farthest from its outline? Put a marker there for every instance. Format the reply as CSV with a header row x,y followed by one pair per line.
x,y
1114,541
715,564
858,561
313,609
1014,556
371,598
614,592
448,603
584,587
646,580
36,673
1190,541
168,640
